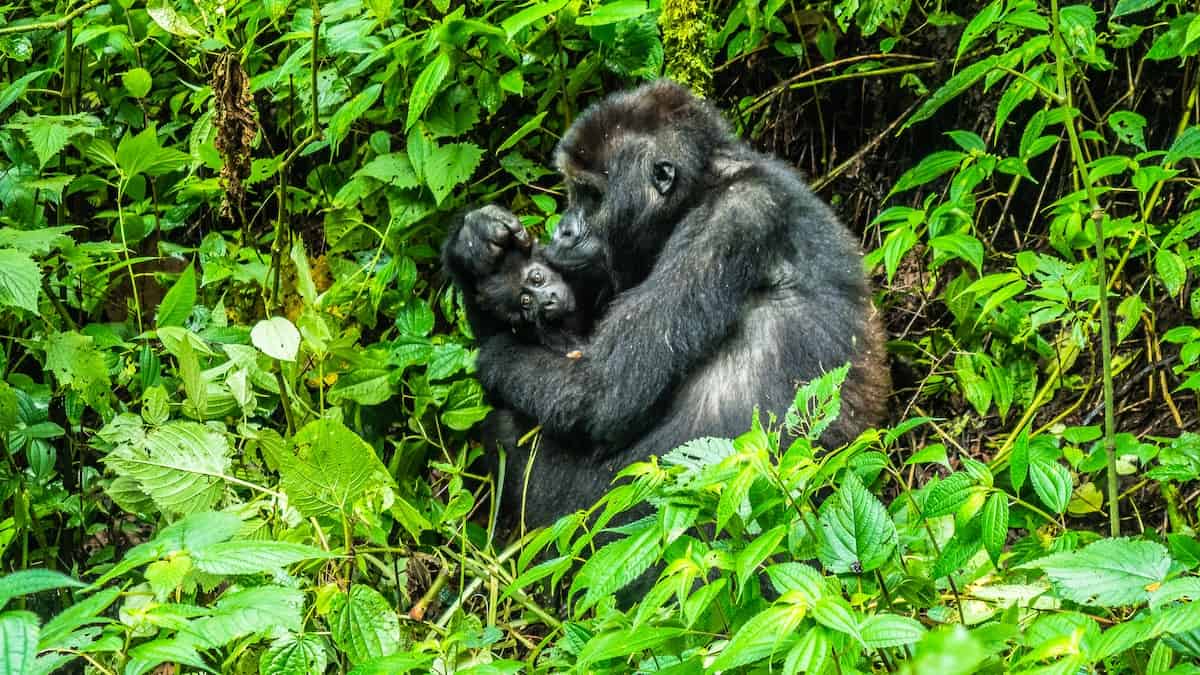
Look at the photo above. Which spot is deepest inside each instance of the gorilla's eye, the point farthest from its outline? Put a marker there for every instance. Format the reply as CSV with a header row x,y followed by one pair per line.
x,y
537,277
663,176
526,300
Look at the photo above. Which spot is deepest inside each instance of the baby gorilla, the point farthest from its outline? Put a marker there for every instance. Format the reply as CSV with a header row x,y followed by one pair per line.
x,y
536,302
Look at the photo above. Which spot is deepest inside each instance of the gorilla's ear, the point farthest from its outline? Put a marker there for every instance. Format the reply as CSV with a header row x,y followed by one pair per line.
x,y
663,176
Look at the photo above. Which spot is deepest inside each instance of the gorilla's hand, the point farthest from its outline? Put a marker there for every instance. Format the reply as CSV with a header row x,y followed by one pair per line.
x,y
477,247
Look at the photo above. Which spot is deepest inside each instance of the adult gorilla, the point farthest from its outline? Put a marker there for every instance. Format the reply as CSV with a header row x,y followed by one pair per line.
x,y
731,283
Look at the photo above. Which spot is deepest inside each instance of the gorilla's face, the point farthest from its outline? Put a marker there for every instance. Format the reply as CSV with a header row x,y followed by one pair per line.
x,y
545,296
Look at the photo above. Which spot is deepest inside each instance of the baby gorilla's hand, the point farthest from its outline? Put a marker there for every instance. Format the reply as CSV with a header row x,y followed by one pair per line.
x,y
487,235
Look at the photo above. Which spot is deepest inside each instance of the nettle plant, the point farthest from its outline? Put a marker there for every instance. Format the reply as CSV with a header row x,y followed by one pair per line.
x,y
766,552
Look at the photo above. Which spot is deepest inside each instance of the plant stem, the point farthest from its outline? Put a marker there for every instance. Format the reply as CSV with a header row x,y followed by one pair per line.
x,y
57,24
1097,215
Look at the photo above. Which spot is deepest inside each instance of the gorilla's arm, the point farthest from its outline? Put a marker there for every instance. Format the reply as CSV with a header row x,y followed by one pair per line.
x,y
652,335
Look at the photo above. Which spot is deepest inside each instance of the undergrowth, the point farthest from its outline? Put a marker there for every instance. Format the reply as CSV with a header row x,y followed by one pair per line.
x,y
237,395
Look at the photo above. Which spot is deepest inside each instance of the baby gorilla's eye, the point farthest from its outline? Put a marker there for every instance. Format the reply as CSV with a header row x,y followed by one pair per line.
x,y
537,278
526,300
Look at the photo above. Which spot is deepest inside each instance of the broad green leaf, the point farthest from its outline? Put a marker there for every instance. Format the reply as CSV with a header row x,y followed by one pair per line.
x,y
181,466
14,90
366,386
748,560
513,24
810,654
249,611
394,168
59,629
982,24
1052,483
49,134
962,246
1108,573
450,166
613,12
251,557
341,121
932,166
141,154
18,641
957,552
137,82
277,338
167,19
625,642
1130,6
295,655
35,242
1186,146
883,631
428,83
329,468
396,664
770,631
20,280
364,625
1171,270
994,525
898,243
177,304
616,565
77,364
948,494
178,650
833,613
797,577
858,535
27,582
1128,126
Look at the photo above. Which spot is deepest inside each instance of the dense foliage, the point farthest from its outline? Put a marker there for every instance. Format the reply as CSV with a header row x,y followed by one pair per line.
x,y
237,394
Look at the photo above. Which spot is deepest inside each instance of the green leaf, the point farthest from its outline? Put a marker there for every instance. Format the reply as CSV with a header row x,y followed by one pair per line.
x,y
177,304
797,577
277,338
252,557
141,154
1128,126
13,91
28,582
137,82
59,629
249,611
898,243
341,121
613,12
1130,6
449,166
329,468
954,86
615,565
1171,270
982,24
929,168
180,465
748,559
1108,573
167,19
948,494
1186,146
428,83
35,242
295,655
625,642
832,612
513,24
962,246
1052,483
858,535
767,632
77,364
534,122
20,280
18,642
884,631
994,525
394,169
364,625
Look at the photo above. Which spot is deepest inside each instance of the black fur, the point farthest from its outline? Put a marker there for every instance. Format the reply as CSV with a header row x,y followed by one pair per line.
x,y
731,283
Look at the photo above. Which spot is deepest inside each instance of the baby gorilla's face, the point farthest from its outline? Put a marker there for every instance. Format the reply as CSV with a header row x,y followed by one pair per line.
x,y
545,296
